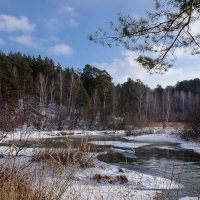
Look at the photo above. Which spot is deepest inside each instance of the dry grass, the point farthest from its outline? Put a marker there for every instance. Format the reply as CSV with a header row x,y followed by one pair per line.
x,y
15,185
66,158
121,179
26,181
46,176
70,156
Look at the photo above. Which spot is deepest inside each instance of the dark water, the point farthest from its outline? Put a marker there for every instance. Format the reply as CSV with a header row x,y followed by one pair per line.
x,y
175,163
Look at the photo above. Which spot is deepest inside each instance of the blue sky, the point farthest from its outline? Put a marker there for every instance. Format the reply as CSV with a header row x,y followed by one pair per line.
x,y
59,29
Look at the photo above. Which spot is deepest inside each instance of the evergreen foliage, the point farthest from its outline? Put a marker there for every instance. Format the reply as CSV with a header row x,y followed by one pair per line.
x,y
67,96
157,35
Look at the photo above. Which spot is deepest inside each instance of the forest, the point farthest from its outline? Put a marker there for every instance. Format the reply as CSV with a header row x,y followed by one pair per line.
x,y
38,92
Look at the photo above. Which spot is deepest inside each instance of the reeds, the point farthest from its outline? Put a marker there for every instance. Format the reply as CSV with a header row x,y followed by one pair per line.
x,y
45,175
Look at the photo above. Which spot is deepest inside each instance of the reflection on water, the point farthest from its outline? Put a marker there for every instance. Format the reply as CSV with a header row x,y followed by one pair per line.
x,y
180,165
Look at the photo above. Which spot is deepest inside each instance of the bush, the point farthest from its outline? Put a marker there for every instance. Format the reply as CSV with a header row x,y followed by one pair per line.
x,y
17,185
70,156
110,179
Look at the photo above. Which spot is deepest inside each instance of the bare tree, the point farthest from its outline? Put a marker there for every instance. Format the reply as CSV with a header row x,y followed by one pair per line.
x,y
114,101
94,106
41,88
183,97
140,99
167,105
60,82
73,83
148,101
52,88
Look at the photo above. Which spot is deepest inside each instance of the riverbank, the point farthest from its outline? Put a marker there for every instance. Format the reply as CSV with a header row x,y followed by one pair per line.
x,y
27,133
103,181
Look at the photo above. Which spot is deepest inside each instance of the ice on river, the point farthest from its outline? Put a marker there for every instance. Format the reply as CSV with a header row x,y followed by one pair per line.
x,y
170,138
120,144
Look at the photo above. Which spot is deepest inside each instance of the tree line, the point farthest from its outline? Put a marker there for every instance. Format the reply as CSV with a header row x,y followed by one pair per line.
x,y
37,91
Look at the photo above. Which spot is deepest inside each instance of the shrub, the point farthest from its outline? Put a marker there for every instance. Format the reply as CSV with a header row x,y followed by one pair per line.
x,y
110,179
69,156
17,185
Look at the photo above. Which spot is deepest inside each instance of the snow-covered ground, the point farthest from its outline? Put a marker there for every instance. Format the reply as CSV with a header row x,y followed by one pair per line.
x,y
189,198
136,180
139,186
120,144
171,138
105,192
29,134
84,186
190,145
154,138
13,150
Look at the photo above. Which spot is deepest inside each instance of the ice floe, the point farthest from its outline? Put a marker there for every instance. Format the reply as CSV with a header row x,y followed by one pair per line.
x,y
120,144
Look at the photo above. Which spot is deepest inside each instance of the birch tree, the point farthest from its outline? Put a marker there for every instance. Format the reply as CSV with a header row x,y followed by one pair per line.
x,y
41,88
60,82
52,88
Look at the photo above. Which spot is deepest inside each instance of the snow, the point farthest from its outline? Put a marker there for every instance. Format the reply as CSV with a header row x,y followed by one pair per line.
x,y
154,138
136,179
190,145
120,144
189,198
29,134
13,150
155,130
105,192
171,138
166,147
139,186
123,151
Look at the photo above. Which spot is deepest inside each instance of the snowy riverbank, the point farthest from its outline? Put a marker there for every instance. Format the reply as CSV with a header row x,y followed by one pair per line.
x,y
26,133
171,138
139,185
85,186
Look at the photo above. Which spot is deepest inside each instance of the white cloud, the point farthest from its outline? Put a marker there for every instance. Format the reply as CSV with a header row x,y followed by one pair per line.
x,y
127,67
61,49
9,23
69,10
177,53
25,40
194,27
72,14
121,69
185,53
